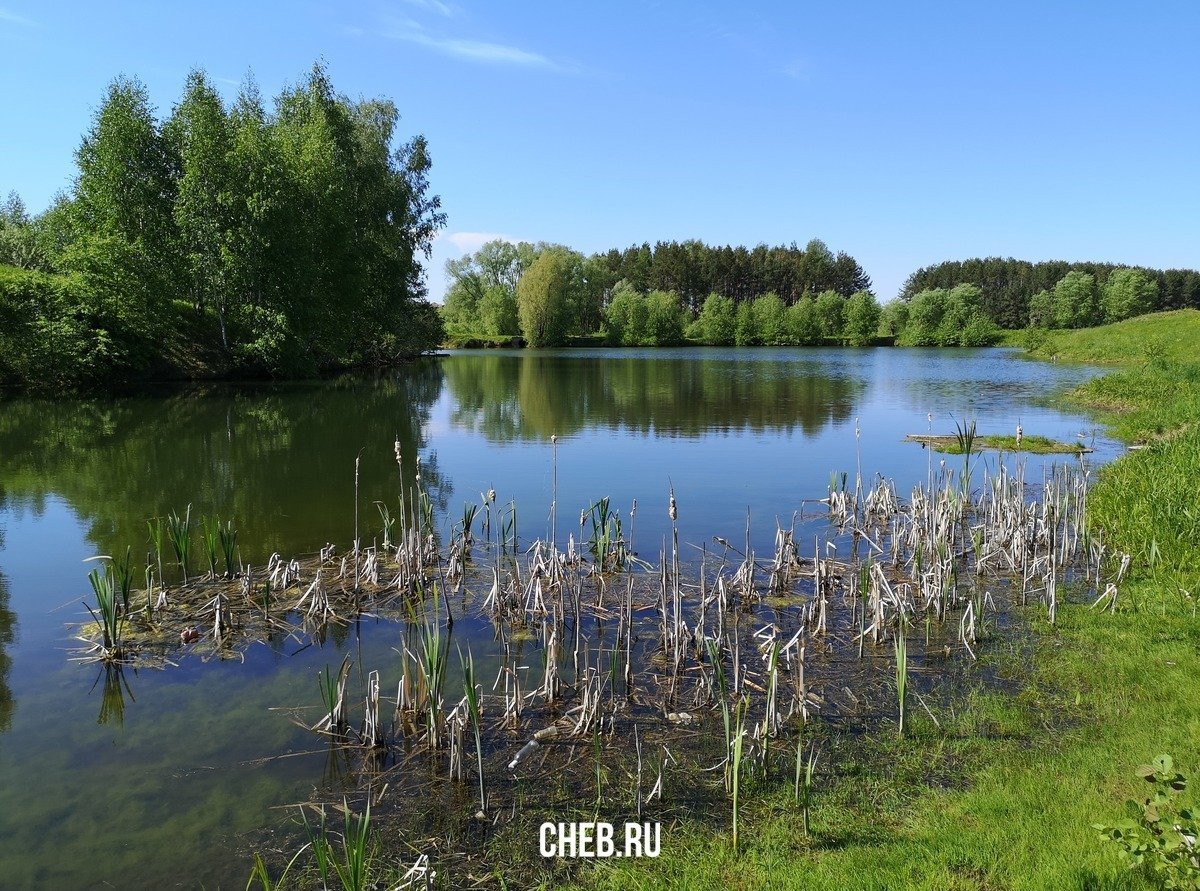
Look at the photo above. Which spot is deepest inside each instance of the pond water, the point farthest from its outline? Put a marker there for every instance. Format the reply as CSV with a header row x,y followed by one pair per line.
x,y
168,777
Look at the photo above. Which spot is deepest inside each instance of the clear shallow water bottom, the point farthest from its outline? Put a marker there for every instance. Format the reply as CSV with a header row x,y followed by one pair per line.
x,y
174,788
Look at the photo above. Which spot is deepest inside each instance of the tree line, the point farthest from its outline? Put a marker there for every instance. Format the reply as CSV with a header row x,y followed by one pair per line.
x,y
233,238
1014,292
645,296
693,270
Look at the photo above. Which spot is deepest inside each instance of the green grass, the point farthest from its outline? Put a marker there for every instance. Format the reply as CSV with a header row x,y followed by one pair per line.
x,y
1035,445
1170,336
1004,793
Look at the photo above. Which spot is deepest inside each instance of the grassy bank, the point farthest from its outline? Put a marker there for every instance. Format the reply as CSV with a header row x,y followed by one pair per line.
x,y
1002,792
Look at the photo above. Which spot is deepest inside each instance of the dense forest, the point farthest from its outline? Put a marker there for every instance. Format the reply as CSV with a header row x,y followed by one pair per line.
x,y
223,239
1014,291
693,270
661,295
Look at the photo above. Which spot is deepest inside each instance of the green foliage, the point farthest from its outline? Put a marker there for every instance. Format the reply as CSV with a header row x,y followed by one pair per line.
x,y
770,319
51,337
1128,293
498,311
862,314
1009,286
695,270
217,236
947,318
482,297
1041,310
979,331
20,245
1158,836
664,319
545,297
623,317
108,614
893,317
803,323
1074,299
830,307
636,319
746,327
717,321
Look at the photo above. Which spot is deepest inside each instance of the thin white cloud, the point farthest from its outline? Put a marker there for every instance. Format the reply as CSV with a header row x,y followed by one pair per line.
x,y
483,51
405,29
7,16
433,6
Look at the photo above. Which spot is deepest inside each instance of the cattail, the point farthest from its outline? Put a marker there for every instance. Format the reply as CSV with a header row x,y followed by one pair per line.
x,y
491,496
672,511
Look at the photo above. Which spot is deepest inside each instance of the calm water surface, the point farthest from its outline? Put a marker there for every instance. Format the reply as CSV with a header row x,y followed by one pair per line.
x,y
169,777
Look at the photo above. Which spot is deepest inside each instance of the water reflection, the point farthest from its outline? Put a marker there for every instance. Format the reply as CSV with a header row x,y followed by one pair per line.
x,y
278,460
8,625
521,396
112,694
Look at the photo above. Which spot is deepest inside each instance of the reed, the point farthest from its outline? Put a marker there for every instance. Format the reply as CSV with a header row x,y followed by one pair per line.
x,y
158,531
901,650
210,537
736,757
353,868
107,613
804,781
468,521
333,697
179,533
508,530
964,438
228,538
123,572
432,667
472,696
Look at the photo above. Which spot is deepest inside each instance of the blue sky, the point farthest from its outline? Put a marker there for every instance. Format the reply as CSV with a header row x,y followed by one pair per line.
x,y
904,134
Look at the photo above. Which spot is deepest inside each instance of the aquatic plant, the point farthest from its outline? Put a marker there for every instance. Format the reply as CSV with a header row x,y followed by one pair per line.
x,y
472,696
468,520
123,570
804,780
333,697
606,544
211,539
179,533
736,757
157,529
964,438
228,536
107,613
353,868
901,650
389,524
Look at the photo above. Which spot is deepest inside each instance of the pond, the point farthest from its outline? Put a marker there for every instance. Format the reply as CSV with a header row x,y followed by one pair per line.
x,y
171,777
